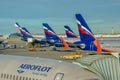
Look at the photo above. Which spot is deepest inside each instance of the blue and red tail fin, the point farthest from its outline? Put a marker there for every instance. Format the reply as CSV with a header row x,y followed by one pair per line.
x,y
24,32
25,29
84,31
69,32
49,33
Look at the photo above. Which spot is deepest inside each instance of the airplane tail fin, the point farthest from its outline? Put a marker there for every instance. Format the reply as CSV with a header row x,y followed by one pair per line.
x,y
84,31
69,32
25,29
49,33
18,27
24,32
87,35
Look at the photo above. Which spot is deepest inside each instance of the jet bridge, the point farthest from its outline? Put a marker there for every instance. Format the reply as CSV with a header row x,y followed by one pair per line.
x,y
106,66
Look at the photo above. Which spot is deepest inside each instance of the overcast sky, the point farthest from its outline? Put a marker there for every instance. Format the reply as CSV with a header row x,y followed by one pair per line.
x,y
101,15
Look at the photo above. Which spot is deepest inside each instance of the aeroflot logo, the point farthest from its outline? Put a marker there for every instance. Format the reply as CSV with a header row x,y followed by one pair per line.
x,y
38,68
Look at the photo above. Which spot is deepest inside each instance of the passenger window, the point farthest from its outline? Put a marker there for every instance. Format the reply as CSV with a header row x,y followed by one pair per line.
x,y
23,78
33,79
26,78
14,77
1,75
4,75
7,76
10,76
20,78
29,78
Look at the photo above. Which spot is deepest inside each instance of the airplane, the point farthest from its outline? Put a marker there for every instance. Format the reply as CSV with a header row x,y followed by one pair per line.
x,y
30,68
87,42
109,43
26,34
87,39
69,32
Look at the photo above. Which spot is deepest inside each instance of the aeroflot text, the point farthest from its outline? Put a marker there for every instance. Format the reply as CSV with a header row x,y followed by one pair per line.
x,y
35,67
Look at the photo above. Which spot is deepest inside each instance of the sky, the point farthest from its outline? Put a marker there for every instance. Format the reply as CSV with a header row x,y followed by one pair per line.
x,y
100,15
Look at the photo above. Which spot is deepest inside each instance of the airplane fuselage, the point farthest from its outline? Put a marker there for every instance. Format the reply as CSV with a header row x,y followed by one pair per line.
x,y
28,68
86,45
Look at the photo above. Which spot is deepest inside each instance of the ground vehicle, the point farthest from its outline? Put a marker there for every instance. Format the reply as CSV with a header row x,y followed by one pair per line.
x,y
72,55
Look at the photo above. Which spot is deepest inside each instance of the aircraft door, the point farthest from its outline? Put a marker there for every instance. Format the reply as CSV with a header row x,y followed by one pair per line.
x,y
59,76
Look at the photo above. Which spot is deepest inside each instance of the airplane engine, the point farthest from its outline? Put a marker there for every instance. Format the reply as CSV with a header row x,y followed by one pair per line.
x,y
51,41
82,46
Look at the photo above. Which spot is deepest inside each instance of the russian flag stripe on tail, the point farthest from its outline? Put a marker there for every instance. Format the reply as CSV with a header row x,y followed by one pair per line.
x,y
84,31
25,33
69,32
49,33
48,28
25,30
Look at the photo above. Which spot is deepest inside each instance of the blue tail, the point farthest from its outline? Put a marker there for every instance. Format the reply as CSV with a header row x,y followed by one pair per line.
x,y
84,31
88,41
24,32
69,32
50,34
25,29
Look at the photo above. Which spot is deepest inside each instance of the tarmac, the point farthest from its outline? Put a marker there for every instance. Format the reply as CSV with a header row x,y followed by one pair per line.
x,y
50,52
22,49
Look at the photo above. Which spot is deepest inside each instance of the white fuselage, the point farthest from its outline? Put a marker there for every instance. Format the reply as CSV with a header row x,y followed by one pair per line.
x,y
29,68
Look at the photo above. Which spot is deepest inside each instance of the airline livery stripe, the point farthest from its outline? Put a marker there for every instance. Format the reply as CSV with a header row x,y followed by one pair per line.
x,y
49,30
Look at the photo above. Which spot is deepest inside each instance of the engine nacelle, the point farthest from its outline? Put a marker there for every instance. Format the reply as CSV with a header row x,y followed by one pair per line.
x,y
82,46
51,41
